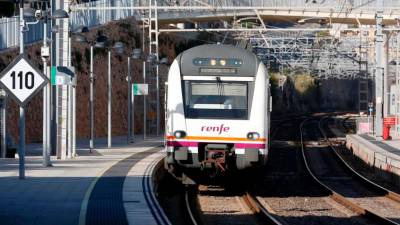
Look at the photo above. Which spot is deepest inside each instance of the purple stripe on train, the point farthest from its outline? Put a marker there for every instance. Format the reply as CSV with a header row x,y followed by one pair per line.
x,y
181,144
195,144
249,145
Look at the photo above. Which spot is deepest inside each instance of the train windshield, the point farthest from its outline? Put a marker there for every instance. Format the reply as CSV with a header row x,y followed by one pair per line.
x,y
216,100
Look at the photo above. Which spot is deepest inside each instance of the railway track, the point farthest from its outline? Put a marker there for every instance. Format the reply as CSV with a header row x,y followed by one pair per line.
x,y
334,128
381,190
289,193
221,205
213,205
300,197
343,184
255,212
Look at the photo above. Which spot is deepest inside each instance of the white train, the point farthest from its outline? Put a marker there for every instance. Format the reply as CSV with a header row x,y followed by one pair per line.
x,y
217,109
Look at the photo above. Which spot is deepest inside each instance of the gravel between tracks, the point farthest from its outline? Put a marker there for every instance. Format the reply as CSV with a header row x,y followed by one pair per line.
x,y
218,207
309,210
295,199
380,204
356,163
290,194
326,166
286,191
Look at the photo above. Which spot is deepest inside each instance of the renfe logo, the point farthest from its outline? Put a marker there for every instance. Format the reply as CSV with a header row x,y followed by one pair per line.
x,y
219,129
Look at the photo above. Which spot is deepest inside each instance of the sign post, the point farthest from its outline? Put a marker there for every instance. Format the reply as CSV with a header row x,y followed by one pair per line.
x,y
65,75
138,89
129,80
21,80
370,109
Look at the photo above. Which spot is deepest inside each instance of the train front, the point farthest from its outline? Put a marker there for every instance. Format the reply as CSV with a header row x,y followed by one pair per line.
x,y
217,110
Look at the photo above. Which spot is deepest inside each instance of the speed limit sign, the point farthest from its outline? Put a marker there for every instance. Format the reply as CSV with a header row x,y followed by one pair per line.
x,y
21,80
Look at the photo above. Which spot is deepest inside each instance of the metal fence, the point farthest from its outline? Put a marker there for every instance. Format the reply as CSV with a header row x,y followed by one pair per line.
x,y
92,18
9,32
100,15
9,26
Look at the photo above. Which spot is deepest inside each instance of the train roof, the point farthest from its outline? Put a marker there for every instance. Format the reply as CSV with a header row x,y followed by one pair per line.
x,y
248,67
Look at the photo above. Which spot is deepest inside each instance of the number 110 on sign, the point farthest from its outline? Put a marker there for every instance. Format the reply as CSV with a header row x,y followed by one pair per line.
x,y
23,80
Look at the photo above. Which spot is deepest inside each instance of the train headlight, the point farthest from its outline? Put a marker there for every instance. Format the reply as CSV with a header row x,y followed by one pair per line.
x,y
179,134
222,62
213,62
253,135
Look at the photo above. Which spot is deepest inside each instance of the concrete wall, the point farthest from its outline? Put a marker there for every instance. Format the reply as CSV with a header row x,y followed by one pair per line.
x,y
386,163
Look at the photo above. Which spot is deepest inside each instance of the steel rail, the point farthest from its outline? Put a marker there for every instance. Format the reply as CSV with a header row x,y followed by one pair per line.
x,y
389,194
362,212
256,207
189,209
252,203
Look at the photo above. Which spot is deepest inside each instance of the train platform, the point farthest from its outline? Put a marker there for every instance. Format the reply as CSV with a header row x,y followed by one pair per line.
x,y
107,186
383,155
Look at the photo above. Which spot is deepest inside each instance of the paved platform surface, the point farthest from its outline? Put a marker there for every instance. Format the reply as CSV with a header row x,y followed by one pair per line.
x,y
54,195
389,147
392,146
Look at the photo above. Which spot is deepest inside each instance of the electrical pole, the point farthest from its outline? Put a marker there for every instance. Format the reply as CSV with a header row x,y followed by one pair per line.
x,y
133,113
109,99
397,83
4,126
70,106
379,73
144,81
386,86
21,124
46,99
129,80
74,121
91,80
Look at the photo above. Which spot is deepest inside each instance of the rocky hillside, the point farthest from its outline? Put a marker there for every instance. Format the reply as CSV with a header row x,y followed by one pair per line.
x,y
125,31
